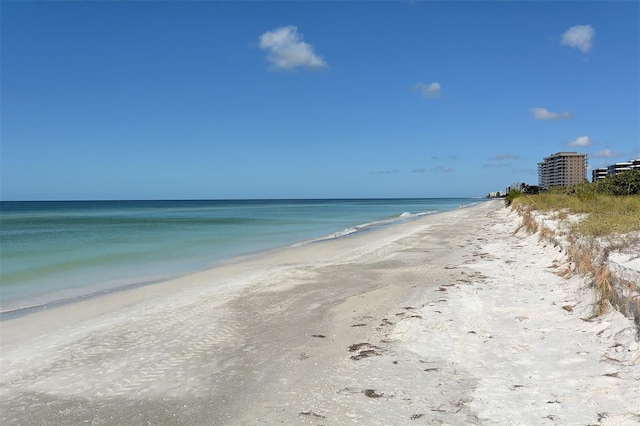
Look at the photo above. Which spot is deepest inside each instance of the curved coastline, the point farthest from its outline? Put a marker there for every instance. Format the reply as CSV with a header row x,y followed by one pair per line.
x,y
49,300
377,328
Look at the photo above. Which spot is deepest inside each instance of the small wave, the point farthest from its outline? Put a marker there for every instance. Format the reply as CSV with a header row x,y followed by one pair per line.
x,y
339,234
367,227
407,215
464,206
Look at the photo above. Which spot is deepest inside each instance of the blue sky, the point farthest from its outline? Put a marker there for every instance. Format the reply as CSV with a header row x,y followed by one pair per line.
x,y
218,100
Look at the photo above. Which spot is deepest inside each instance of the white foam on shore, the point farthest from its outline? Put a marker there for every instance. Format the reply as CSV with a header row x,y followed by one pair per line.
x,y
404,217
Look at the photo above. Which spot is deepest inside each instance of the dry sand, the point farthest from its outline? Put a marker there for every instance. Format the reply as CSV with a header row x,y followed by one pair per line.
x,y
449,319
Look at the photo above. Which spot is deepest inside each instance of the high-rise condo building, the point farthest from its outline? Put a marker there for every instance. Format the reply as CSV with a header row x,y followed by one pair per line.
x,y
562,169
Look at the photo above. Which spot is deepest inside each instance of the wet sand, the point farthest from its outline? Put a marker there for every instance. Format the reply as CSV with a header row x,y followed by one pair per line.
x,y
449,319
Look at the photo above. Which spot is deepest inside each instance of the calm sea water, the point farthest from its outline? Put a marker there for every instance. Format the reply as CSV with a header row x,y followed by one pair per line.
x,y
54,251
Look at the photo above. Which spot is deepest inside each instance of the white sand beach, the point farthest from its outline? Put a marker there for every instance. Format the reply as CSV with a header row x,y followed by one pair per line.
x,y
448,319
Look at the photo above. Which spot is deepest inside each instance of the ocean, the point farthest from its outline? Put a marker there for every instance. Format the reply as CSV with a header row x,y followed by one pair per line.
x,y
57,251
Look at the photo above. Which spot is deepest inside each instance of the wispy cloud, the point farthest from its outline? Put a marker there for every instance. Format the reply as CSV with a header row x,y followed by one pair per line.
x,y
287,51
581,141
499,161
431,90
502,157
605,153
442,169
385,172
579,36
544,114
450,157
495,164
436,169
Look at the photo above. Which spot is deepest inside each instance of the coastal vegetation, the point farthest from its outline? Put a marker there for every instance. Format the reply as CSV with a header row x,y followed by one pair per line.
x,y
592,220
610,206
601,215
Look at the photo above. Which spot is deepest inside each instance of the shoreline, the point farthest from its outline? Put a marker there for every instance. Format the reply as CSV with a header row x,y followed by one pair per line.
x,y
101,289
450,318
225,270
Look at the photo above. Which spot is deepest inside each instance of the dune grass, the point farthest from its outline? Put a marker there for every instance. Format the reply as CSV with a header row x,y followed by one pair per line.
x,y
605,214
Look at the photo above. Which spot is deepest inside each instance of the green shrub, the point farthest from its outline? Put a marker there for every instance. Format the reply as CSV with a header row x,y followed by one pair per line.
x,y
625,183
512,195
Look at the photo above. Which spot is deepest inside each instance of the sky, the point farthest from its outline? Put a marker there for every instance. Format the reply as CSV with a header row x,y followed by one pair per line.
x,y
237,100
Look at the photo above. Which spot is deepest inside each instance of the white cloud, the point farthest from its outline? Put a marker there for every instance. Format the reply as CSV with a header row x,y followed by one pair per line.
x,y
579,36
544,114
581,141
605,153
428,90
287,51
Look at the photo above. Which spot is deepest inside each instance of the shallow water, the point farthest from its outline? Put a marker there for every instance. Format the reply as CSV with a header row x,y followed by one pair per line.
x,y
50,251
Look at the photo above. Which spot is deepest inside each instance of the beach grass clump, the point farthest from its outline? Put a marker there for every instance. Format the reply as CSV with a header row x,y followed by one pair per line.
x,y
529,222
512,195
546,234
603,287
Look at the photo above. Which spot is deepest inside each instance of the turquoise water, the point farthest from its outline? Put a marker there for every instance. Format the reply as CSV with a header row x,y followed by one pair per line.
x,y
53,251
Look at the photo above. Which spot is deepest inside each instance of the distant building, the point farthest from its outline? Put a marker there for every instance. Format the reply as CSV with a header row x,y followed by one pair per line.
x,y
562,169
614,169
519,186
522,187
600,173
